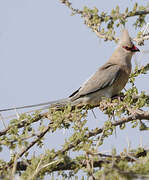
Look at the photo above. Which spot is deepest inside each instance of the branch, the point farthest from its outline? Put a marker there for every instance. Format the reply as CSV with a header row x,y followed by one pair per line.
x,y
137,115
73,164
31,144
24,123
116,16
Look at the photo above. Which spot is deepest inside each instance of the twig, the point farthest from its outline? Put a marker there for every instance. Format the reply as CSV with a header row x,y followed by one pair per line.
x,y
37,169
24,123
40,135
14,167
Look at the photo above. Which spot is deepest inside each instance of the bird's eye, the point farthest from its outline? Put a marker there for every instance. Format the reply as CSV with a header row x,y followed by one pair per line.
x,y
128,48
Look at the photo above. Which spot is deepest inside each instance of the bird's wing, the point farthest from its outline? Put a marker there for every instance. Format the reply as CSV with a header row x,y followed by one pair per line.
x,y
104,76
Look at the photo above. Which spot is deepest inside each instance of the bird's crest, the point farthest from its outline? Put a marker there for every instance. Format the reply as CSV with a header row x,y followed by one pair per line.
x,y
125,39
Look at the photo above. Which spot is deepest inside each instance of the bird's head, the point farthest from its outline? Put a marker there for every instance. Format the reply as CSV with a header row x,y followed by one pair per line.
x,y
126,43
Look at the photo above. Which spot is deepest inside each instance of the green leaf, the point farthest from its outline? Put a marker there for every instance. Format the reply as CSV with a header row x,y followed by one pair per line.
x,y
126,10
135,6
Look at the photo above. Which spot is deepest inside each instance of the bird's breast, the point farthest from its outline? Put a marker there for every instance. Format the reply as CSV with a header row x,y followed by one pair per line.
x,y
121,81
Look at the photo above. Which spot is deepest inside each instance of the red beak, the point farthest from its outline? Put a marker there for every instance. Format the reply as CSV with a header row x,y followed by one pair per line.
x,y
134,49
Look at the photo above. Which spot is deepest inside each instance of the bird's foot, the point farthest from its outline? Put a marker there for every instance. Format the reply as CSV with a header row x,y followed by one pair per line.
x,y
120,97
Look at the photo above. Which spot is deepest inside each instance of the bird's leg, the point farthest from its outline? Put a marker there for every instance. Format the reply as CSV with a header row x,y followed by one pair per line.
x,y
120,97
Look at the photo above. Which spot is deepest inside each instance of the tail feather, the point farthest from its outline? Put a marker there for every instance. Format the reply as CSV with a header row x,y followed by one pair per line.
x,y
50,103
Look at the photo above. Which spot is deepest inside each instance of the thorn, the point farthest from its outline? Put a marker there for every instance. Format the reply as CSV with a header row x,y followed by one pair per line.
x,y
2,119
94,114
145,29
64,131
141,142
17,114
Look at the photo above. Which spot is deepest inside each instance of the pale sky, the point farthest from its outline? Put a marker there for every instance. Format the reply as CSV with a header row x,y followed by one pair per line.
x,y
46,54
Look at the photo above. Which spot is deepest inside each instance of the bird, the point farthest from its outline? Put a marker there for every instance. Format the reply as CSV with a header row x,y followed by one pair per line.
x,y
107,81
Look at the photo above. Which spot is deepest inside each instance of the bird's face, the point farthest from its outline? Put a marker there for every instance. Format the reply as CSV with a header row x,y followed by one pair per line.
x,y
131,48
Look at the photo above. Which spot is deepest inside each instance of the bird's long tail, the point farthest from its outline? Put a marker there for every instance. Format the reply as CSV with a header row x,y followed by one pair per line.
x,y
61,102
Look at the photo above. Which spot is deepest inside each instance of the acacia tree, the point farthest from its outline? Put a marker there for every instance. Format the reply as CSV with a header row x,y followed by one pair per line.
x,y
29,129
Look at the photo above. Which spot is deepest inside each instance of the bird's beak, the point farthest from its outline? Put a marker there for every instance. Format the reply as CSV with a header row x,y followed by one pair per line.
x,y
134,49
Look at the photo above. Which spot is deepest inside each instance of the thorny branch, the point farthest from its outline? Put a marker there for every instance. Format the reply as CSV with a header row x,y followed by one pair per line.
x,y
96,29
104,158
39,136
137,115
24,123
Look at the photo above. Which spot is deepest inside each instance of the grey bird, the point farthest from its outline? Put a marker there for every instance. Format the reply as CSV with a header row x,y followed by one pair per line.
x,y
107,81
